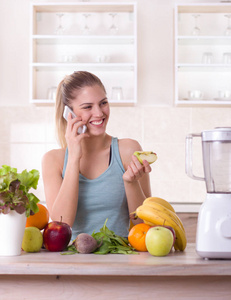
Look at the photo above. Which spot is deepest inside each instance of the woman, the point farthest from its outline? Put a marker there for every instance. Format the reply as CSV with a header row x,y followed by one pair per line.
x,y
93,176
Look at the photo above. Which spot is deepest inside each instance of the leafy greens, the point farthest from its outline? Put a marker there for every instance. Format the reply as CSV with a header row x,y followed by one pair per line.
x,y
14,190
111,243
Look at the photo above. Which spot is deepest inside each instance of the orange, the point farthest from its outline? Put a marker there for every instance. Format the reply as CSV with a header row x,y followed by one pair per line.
x,y
39,219
136,236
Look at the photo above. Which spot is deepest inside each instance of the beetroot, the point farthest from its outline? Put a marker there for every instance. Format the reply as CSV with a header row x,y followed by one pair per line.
x,y
85,243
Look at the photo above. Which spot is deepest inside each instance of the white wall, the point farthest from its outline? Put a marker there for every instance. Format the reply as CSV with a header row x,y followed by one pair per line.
x,y
27,131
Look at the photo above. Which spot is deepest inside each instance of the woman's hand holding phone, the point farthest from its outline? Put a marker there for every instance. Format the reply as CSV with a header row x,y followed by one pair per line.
x,y
67,110
73,137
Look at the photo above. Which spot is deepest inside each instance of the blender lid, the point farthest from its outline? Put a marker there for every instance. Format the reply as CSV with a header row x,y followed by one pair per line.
x,y
217,134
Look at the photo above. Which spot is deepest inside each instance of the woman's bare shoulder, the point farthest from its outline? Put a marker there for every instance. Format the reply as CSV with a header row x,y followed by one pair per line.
x,y
129,145
54,157
126,148
55,153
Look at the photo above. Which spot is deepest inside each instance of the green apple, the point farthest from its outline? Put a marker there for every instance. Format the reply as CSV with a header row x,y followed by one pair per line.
x,y
159,241
149,156
32,239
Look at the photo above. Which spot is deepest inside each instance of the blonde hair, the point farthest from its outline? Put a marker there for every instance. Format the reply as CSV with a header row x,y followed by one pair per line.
x,y
67,91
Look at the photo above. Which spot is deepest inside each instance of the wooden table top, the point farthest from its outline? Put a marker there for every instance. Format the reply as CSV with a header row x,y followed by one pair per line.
x,y
186,263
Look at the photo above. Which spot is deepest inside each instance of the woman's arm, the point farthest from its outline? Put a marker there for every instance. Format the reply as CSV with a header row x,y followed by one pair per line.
x,y
136,176
62,193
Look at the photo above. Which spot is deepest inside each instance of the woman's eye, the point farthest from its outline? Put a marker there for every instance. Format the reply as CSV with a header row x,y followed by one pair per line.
x,y
104,102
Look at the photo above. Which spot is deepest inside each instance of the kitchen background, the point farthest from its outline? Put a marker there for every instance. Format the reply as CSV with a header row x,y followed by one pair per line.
x,y
27,130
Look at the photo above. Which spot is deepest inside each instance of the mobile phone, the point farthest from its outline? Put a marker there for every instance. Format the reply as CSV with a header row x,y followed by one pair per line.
x,y
67,110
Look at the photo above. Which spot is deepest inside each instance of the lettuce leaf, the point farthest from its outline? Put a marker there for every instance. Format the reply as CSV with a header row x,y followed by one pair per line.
x,y
14,190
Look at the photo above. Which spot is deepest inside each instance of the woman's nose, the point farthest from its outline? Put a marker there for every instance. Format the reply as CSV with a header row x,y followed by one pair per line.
x,y
98,111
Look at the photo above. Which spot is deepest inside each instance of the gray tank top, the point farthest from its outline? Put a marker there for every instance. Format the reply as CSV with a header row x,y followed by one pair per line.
x,y
101,198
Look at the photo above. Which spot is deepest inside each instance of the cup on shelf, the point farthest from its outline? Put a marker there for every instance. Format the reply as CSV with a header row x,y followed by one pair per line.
x,y
224,95
69,58
51,93
103,58
207,58
117,93
195,95
226,59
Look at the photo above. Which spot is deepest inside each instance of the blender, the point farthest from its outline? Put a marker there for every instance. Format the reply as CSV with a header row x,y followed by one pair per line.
x,y
213,237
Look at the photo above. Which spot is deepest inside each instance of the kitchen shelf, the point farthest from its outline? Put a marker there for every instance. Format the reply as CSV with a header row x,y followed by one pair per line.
x,y
95,66
204,102
97,7
204,67
207,8
111,57
209,78
203,40
123,102
78,39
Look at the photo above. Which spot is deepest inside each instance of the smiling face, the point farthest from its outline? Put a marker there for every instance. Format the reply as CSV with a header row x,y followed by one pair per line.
x,y
91,105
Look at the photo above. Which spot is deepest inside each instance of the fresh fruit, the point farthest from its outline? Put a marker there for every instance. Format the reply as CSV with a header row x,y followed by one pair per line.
x,y
160,201
39,219
85,243
160,215
32,239
159,241
173,233
149,156
136,236
160,207
56,236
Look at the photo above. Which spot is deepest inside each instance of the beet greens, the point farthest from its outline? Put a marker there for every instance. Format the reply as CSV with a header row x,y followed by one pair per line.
x,y
110,243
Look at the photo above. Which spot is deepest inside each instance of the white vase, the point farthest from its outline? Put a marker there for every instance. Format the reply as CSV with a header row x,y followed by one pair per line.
x,y
12,227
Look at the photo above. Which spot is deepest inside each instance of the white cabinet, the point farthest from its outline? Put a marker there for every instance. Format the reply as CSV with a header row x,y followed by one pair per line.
x,y
203,54
67,37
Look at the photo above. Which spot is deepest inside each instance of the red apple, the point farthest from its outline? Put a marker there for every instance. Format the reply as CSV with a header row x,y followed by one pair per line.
x,y
173,232
56,236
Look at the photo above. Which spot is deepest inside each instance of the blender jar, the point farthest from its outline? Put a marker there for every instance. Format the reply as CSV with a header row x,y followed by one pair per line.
x,y
216,148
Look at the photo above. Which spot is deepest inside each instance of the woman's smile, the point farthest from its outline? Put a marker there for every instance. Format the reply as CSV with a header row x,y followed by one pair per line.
x,y
98,122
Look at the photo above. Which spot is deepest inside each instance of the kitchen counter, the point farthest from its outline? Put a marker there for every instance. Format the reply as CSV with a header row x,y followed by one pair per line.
x,y
46,275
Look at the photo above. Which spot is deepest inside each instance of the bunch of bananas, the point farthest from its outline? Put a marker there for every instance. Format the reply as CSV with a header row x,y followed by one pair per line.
x,y
157,211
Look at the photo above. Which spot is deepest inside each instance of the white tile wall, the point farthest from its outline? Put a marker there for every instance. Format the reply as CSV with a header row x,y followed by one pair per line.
x,y
28,132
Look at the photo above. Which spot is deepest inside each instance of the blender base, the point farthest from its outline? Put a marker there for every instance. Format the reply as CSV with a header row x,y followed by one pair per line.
x,y
214,255
213,239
